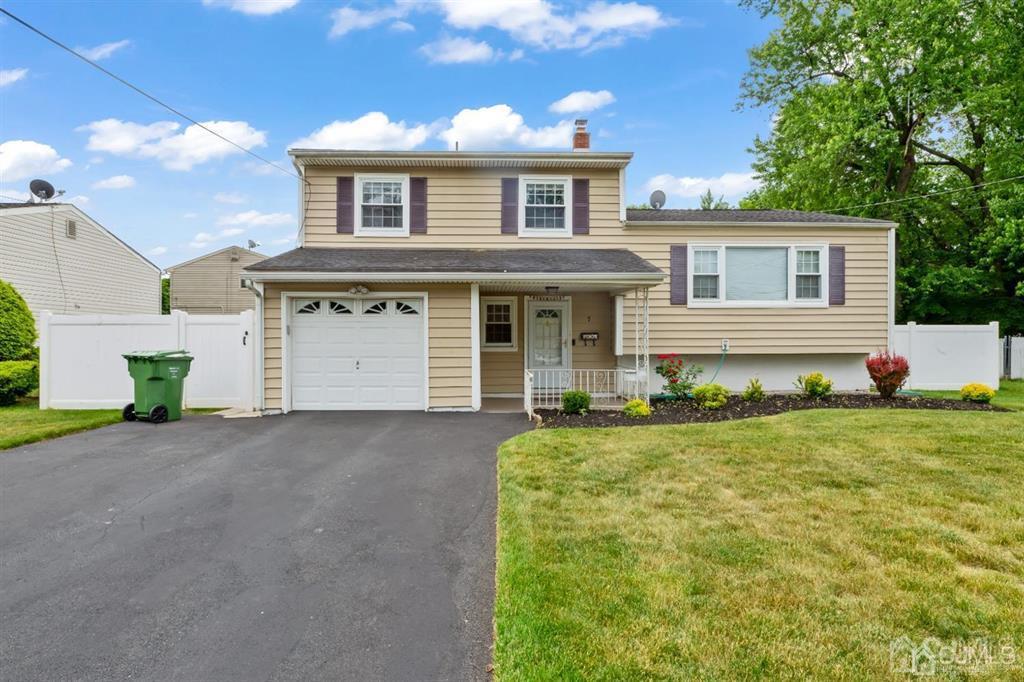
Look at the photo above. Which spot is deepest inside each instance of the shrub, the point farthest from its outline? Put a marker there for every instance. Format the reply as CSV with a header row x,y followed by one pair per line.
x,y
710,396
575,402
637,409
17,378
754,392
680,378
888,371
814,385
977,393
17,326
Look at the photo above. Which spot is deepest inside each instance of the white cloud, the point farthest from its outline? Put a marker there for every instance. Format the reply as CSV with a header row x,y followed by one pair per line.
x,y
157,251
537,23
256,219
191,215
402,26
348,19
500,126
179,151
282,241
78,199
534,22
458,51
115,182
204,239
21,159
103,51
582,101
9,194
254,7
11,76
229,198
731,185
370,131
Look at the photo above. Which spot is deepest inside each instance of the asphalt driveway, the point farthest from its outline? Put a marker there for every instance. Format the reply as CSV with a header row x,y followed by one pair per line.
x,y
309,546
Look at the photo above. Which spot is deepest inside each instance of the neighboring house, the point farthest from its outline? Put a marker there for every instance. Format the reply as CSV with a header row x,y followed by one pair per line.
x,y
63,261
210,284
433,280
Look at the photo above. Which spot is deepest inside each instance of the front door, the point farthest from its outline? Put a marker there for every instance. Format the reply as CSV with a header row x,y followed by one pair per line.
x,y
547,349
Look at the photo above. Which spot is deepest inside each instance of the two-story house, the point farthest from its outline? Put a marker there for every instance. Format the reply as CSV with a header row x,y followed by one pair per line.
x,y
435,280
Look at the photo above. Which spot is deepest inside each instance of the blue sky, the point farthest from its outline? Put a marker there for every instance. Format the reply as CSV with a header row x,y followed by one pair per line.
x,y
658,79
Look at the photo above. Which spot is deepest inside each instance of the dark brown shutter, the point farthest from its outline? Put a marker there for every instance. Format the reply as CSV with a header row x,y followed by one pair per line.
x,y
677,274
417,205
346,210
510,205
837,275
581,206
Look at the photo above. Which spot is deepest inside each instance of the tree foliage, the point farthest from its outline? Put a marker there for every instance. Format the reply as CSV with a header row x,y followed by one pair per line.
x,y
708,201
882,101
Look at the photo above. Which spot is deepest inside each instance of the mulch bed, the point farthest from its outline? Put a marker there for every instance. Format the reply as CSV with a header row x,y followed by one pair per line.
x,y
686,412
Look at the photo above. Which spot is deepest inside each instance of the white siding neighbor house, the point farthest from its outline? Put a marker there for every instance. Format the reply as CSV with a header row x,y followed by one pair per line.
x,y
62,261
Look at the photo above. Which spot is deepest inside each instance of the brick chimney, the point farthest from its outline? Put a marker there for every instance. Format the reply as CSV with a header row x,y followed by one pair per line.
x,y
581,139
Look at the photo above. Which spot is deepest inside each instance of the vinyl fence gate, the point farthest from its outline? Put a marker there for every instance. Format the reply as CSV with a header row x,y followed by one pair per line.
x,y
80,363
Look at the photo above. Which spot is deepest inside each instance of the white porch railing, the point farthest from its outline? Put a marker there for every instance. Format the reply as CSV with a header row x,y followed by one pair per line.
x,y
608,388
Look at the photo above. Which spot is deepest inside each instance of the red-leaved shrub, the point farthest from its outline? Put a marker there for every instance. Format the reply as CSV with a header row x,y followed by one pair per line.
x,y
889,372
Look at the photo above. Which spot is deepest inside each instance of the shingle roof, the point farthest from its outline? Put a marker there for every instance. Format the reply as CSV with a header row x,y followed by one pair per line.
x,y
514,261
741,215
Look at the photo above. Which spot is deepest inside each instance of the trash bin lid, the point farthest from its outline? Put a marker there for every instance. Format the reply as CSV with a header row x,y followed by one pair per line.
x,y
156,354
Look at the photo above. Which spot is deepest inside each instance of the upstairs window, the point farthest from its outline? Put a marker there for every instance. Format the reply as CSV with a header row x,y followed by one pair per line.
x,y
382,205
545,206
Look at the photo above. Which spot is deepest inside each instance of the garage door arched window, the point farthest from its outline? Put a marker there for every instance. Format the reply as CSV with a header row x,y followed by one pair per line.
x,y
407,307
307,307
375,307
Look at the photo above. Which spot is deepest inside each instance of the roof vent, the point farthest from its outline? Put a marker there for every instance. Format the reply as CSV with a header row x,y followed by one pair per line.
x,y
71,229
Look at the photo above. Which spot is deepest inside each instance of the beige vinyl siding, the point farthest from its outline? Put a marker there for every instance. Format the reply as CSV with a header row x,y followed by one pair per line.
x,y
448,339
93,273
463,211
501,372
211,284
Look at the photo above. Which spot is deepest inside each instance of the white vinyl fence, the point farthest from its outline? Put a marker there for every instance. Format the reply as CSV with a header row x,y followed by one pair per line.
x,y
947,356
80,363
1014,357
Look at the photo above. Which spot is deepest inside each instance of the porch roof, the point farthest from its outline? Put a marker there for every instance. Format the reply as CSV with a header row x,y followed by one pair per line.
x,y
457,265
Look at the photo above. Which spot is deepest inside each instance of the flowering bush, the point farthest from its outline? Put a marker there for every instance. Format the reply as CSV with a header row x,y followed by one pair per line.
x,y
710,396
754,392
637,409
680,378
814,385
888,371
977,393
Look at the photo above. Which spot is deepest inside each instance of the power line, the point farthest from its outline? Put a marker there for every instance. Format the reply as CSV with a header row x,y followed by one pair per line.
x,y
922,196
145,94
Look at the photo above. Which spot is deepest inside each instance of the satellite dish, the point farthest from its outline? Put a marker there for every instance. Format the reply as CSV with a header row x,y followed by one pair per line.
x,y
657,199
253,244
41,189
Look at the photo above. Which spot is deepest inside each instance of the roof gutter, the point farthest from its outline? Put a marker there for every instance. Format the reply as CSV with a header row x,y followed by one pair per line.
x,y
621,278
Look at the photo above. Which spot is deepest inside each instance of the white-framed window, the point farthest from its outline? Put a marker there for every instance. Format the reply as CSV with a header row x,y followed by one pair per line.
x,y
545,206
498,330
757,275
382,205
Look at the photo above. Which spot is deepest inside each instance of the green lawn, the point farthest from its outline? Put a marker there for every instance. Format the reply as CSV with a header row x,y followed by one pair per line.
x,y
25,423
1010,394
790,547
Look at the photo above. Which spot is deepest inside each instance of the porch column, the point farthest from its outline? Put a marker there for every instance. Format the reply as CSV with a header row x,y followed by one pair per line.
x,y
645,346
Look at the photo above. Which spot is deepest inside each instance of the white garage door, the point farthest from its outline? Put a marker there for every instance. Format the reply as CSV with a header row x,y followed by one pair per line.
x,y
357,354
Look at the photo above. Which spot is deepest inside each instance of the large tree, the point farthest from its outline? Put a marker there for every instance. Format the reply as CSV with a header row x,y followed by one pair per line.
x,y
877,102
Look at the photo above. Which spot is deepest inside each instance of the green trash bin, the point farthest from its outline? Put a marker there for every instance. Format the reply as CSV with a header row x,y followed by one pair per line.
x,y
159,382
